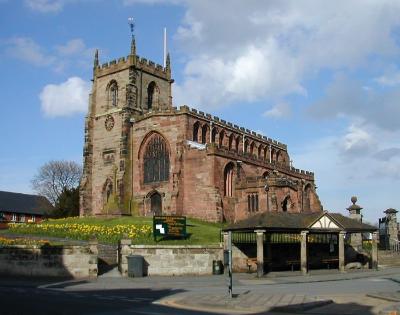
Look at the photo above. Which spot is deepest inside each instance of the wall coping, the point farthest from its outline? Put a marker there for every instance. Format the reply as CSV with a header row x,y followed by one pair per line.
x,y
220,246
42,246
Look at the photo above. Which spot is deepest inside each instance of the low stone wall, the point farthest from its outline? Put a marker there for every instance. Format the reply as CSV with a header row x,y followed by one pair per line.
x,y
171,260
239,259
50,261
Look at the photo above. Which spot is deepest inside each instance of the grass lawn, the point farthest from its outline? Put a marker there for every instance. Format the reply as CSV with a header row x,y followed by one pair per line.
x,y
110,230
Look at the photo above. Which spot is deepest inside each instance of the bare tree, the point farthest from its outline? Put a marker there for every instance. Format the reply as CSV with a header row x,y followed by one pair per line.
x,y
56,176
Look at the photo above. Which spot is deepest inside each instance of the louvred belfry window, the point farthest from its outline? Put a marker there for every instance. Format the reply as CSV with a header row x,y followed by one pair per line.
x,y
156,161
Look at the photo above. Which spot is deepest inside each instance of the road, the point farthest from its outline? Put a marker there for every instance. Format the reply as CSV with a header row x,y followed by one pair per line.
x,y
142,295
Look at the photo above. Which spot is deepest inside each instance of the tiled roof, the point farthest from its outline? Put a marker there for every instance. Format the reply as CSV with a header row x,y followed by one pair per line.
x,y
296,221
23,203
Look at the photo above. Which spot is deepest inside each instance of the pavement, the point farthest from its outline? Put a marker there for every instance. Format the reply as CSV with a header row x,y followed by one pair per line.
x,y
253,301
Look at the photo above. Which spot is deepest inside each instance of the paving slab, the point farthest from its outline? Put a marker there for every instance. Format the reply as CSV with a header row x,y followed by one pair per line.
x,y
244,303
388,296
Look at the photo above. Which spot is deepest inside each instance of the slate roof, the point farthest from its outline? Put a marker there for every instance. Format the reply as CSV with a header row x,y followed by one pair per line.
x,y
284,221
23,203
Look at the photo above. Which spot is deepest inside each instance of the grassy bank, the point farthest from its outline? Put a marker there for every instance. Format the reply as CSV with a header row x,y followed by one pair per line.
x,y
110,230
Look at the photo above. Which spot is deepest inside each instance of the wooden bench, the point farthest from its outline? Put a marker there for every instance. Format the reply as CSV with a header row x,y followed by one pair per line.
x,y
251,262
293,263
330,261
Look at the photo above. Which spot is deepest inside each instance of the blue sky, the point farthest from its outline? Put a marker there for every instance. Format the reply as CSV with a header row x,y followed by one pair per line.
x,y
322,77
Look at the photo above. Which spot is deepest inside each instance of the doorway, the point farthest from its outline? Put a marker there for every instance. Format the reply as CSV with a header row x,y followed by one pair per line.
x,y
156,204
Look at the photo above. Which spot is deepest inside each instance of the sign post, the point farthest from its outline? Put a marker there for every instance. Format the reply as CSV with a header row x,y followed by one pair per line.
x,y
170,226
230,264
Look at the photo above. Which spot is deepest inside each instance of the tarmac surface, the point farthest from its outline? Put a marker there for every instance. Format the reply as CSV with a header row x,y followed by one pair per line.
x,y
320,292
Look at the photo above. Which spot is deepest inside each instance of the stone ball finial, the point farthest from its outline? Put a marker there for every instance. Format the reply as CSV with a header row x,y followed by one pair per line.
x,y
354,200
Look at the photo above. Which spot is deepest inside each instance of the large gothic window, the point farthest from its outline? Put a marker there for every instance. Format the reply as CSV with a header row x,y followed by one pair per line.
x,y
156,161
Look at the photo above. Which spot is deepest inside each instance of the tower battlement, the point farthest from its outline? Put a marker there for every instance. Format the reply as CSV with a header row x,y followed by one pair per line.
x,y
140,63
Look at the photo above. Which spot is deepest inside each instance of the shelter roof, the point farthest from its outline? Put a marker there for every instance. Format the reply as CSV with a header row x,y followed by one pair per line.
x,y
23,203
286,222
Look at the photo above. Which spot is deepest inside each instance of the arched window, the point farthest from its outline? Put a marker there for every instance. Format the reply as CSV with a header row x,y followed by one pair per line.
x,y
113,93
228,180
266,157
156,160
196,131
213,135
286,204
252,148
151,95
221,138
272,155
204,130
252,202
259,155
107,190
237,144
230,144
246,146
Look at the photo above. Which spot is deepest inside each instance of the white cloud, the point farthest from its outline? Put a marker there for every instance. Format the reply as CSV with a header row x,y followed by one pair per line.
x,y
150,2
387,154
357,141
389,79
72,47
280,110
271,48
27,50
65,99
46,6
347,97
73,52
338,176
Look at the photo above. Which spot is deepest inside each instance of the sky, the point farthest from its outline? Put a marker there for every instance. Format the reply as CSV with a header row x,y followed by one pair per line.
x,y
322,77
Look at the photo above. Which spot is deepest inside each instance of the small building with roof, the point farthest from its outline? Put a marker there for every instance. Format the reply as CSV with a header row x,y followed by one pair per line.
x,y
275,240
17,207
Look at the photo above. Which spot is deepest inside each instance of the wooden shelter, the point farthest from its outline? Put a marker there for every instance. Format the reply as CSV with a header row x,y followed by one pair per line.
x,y
304,229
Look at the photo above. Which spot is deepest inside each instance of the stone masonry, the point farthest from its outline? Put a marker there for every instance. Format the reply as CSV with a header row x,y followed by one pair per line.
x,y
144,156
170,260
50,261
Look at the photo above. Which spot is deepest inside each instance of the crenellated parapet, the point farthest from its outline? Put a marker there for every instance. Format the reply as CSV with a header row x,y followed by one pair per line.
x,y
232,127
216,121
253,159
140,63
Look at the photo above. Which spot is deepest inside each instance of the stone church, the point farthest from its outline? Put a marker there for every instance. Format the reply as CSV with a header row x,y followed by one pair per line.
x,y
142,156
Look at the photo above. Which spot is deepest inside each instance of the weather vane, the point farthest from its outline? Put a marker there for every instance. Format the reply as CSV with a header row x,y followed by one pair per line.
x,y
132,25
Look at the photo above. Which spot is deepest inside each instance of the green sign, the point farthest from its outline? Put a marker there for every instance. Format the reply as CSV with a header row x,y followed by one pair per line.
x,y
169,225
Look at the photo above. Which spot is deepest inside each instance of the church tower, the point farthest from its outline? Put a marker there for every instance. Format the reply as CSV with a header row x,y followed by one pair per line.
x,y
123,91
